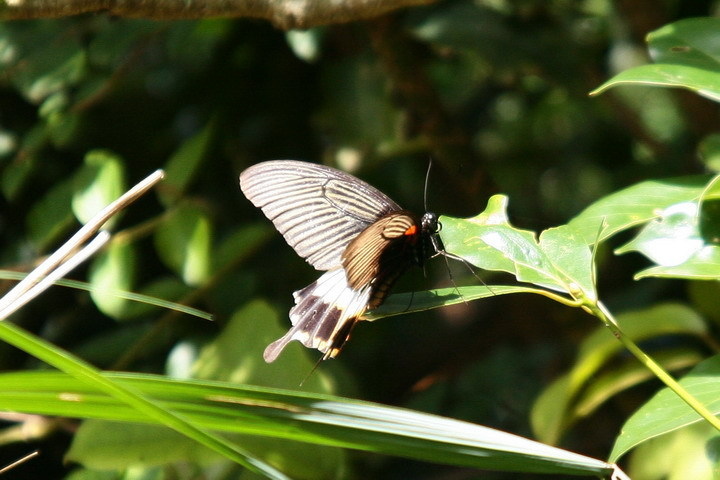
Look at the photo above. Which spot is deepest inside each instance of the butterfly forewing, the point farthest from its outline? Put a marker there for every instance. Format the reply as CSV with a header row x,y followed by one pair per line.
x,y
317,209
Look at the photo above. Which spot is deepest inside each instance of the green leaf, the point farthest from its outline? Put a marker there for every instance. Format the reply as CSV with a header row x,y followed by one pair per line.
x,y
254,327
182,167
685,55
682,239
184,240
107,445
635,206
703,265
18,175
99,182
690,451
671,239
607,384
666,412
554,409
104,445
571,256
51,216
691,42
702,82
111,271
490,242
402,303
241,244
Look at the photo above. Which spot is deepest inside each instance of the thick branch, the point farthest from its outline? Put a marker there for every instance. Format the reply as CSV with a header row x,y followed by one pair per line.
x,y
285,14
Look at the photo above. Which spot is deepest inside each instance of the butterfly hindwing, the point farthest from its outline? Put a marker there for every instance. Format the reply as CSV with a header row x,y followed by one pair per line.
x,y
323,316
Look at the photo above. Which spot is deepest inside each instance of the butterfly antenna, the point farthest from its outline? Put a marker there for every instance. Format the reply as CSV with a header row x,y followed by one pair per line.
x,y
427,181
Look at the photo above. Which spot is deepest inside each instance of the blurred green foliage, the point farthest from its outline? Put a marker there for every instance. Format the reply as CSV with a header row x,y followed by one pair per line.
x,y
494,92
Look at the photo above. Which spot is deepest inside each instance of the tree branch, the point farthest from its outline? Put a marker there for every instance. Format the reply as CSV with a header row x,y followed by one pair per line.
x,y
284,14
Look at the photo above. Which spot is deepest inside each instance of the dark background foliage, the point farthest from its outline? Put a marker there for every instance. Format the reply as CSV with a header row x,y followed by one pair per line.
x,y
493,92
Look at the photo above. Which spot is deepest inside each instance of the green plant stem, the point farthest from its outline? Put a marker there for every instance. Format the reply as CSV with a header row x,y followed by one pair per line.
x,y
599,310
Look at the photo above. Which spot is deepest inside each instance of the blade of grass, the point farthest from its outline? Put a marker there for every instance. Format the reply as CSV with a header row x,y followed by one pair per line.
x,y
136,297
313,418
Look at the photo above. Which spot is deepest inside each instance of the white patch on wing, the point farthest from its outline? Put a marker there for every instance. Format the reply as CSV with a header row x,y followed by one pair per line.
x,y
321,314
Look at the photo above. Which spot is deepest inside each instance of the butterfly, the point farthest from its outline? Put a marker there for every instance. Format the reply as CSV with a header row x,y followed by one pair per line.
x,y
356,234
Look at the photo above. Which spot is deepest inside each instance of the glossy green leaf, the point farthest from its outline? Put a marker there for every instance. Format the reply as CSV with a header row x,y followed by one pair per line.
x,y
553,409
306,417
666,412
490,242
184,242
571,256
111,271
700,81
671,239
702,265
635,206
99,182
182,167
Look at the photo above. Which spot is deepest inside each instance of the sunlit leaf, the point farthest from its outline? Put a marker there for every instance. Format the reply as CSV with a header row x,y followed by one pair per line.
x,y
100,181
490,242
634,206
107,445
313,418
183,241
676,455
111,271
671,239
666,412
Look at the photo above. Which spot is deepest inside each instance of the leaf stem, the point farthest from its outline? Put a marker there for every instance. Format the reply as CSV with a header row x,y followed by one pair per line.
x,y
599,310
